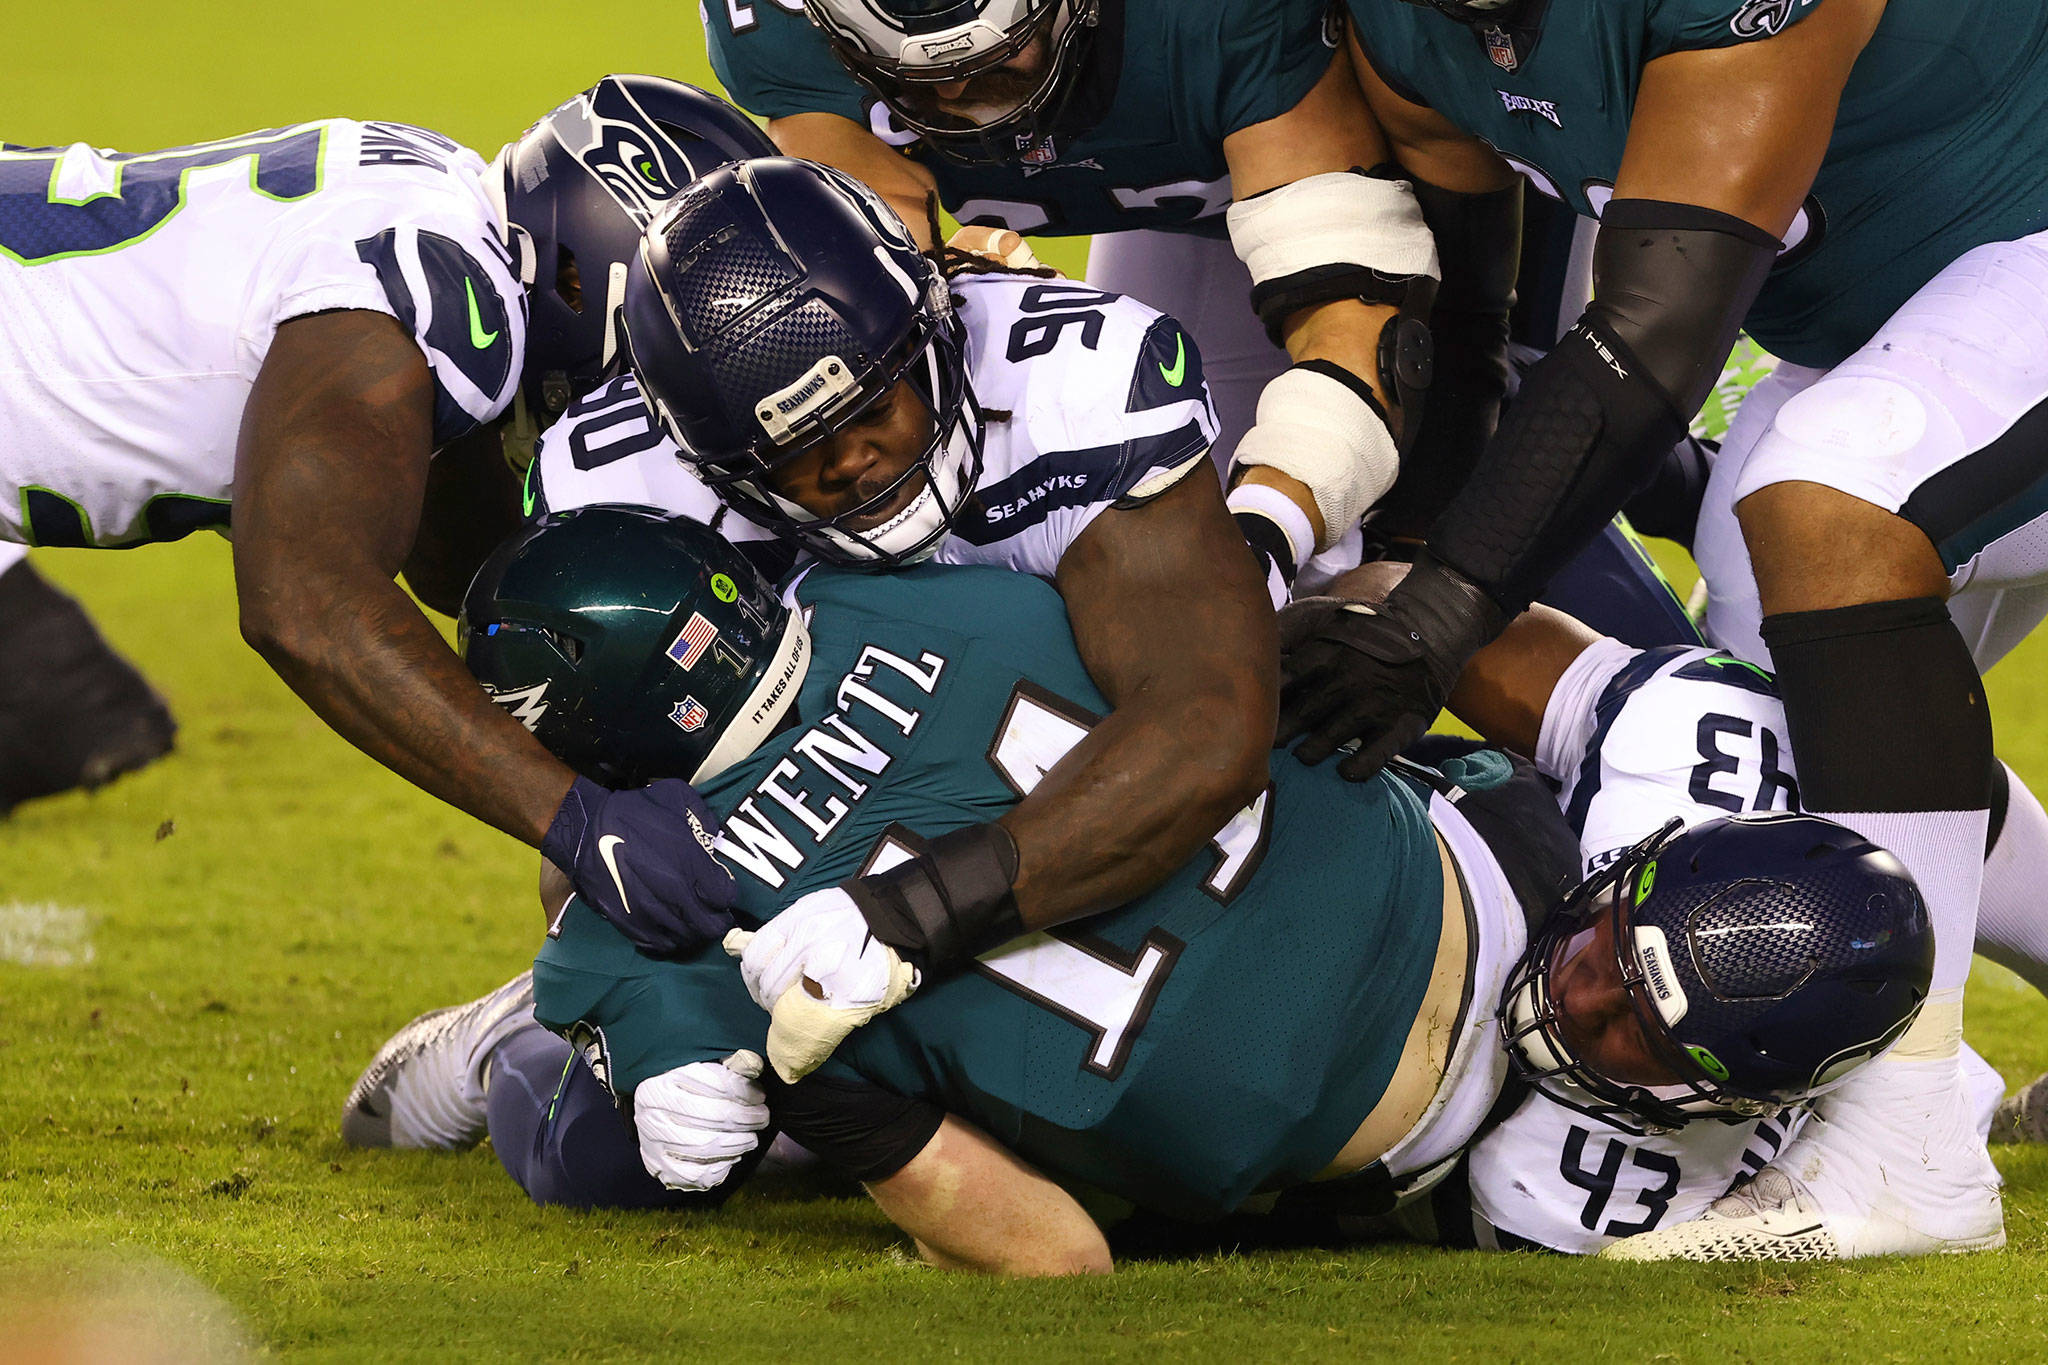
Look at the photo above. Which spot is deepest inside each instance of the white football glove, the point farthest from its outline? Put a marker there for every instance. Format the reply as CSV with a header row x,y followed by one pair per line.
x,y
820,974
696,1122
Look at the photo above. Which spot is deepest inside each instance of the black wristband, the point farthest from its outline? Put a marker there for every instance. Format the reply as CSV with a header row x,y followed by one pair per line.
x,y
1450,611
951,902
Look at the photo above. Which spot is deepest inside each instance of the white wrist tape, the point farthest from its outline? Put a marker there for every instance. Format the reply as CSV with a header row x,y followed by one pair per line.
x,y
1263,500
1336,218
1314,429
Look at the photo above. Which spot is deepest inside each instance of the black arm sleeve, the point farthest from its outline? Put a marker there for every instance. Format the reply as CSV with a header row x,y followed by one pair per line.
x,y
1478,246
1671,284
866,1131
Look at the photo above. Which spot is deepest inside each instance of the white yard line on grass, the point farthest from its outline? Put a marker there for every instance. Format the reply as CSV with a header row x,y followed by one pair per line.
x,y
45,935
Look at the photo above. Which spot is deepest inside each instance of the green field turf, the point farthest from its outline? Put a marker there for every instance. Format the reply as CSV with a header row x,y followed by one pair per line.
x,y
195,963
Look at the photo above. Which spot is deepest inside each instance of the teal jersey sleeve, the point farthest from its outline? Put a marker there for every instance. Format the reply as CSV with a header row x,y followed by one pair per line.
x,y
634,1017
1272,56
773,62
1689,25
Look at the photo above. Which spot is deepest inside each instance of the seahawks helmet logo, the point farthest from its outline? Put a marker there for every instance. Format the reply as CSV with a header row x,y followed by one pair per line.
x,y
606,130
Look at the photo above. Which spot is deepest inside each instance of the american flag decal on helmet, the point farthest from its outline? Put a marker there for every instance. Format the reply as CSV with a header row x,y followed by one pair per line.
x,y
697,636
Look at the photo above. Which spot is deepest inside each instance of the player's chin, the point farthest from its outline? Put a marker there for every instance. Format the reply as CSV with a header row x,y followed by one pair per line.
x,y
873,518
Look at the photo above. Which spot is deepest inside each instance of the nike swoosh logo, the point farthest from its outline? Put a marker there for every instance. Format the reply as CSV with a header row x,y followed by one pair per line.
x,y
527,493
605,847
1179,370
478,337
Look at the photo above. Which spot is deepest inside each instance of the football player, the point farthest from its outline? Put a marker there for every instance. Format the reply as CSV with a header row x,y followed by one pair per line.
x,y
1833,176
1335,995
1176,133
809,382
1633,738
279,330
1214,153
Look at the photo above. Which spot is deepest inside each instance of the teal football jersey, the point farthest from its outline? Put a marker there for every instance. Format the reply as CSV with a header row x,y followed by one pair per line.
x,y
1223,1034
1171,79
1941,143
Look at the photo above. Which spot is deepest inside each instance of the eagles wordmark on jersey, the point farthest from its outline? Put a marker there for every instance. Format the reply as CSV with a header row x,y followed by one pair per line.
x,y
142,290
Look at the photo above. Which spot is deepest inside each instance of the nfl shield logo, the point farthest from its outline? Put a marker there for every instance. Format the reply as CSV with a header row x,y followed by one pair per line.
x,y
690,714
1501,48
1036,153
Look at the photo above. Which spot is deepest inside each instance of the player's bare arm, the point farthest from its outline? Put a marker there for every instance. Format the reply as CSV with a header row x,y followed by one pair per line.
x,y
1773,105
1330,130
904,185
1428,145
330,473
1173,622
972,1205
1338,257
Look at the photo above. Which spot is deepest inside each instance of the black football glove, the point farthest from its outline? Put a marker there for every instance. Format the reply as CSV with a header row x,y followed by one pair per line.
x,y
642,859
1378,674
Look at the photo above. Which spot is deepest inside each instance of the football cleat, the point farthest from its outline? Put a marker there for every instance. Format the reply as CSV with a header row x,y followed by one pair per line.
x,y
1891,1164
73,713
2023,1115
426,1087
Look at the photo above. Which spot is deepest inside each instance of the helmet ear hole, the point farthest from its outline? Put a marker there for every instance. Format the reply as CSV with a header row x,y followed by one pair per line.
x,y
568,280
571,647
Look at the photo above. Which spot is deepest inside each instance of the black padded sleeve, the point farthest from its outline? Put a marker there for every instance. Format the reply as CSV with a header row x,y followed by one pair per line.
x,y
1478,245
860,1128
1671,285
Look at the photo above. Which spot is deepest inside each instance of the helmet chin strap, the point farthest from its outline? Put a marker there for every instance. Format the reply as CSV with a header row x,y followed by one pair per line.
x,y
763,709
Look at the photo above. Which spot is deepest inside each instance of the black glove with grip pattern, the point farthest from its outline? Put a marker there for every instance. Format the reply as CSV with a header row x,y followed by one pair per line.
x,y
1379,674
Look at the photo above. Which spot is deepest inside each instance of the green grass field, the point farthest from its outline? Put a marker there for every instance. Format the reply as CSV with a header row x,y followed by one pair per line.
x,y
195,963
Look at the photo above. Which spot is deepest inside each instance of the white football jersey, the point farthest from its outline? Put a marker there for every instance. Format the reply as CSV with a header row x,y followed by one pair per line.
x,y
1634,737
139,294
1095,400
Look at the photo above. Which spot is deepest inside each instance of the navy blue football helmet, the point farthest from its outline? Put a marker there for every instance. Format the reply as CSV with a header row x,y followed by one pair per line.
x,y
580,186
1765,957
770,306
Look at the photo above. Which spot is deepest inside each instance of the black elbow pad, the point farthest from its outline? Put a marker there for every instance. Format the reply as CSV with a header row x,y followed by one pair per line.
x,y
1673,282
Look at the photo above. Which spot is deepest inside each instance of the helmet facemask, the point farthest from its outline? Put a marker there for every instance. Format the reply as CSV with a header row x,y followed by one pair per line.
x,y
948,467
1533,1028
762,385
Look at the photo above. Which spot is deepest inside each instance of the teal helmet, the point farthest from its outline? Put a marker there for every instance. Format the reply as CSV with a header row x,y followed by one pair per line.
x,y
632,646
